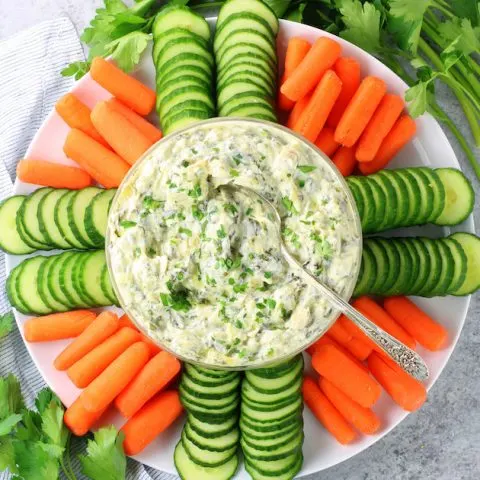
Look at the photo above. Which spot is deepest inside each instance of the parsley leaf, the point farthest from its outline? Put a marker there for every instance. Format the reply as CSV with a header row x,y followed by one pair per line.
x,y
296,15
127,50
196,191
76,70
460,35
11,400
221,233
306,168
288,204
278,6
417,99
52,424
6,324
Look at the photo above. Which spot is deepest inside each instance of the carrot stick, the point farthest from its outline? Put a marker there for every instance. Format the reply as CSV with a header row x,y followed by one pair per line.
x,y
404,389
313,118
343,372
361,418
126,322
381,318
359,349
348,325
57,326
382,122
339,334
79,420
348,70
51,174
103,390
155,417
429,333
401,133
127,89
106,167
344,159
360,110
306,76
326,141
105,324
297,49
326,413
298,110
88,368
154,376
77,115
145,127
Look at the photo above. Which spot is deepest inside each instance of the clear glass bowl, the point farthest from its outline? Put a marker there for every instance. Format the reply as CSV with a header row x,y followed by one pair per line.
x,y
321,158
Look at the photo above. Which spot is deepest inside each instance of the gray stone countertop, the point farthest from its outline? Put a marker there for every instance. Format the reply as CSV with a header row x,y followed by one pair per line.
x,y
439,442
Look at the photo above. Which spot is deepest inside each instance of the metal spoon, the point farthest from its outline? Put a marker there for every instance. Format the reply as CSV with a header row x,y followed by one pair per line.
x,y
406,358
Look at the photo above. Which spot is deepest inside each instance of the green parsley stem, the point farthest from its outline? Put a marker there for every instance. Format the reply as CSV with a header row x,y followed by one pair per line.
x,y
443,7
471,63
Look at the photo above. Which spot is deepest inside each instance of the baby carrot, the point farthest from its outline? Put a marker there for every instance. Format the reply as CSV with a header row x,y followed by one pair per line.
x,y
125,139
106,167
346,375
344,159
298,110
49,174
313,118
326,413
326,141
155,417
377,129
103,390
401,133
77,115
359,349
339,334
144,126
126,322
89,367
360,417
79,420
297,49
429,333
57,326
154,376
306,76
104,325
381,318
360,110
348,70
127,89
407,392
348,325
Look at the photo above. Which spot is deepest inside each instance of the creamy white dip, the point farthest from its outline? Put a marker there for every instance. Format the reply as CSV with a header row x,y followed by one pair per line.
x,y
200,269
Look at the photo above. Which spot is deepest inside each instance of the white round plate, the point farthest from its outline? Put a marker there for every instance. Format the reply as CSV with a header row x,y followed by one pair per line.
x,y
430,148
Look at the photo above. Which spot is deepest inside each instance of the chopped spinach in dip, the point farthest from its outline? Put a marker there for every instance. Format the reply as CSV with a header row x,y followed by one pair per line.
x,y
200,267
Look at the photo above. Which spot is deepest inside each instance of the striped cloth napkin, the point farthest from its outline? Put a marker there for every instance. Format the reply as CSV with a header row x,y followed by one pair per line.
x,y
30,84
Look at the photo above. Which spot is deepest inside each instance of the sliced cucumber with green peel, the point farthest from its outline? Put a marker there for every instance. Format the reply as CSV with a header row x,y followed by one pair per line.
x,y
212,430
249,36
286,474
176,34
208,380
12,292
56,290
181,45
10,239
231,54
67,281
46,215
186,94
43,287
366,277
181,82
210,391
276,452
178,16
276,385
439,195
96,216
384,279
61,220
207,458
460,264
214,444
28,216
471,246
185,118
106,285
186,62
90,275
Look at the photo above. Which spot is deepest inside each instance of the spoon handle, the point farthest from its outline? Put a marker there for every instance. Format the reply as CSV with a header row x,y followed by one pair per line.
x,y
406,358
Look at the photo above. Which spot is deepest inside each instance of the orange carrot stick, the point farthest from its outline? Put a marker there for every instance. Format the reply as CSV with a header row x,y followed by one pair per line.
x,y
313,118
57,326
339,334
344,159
77,115
348,70
154,376
103,390
343,372
49,174
155,417
401,133
306,76
326,413
88,368
429,333
298,110
404,389
360,110
377,129
144,126
326,141
297,49
348,325
381,318
359,349
360,417
126,322
127,89
106,167
105,324
79,420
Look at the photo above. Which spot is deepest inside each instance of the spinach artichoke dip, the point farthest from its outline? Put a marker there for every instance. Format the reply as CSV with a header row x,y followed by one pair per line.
x,y
200,268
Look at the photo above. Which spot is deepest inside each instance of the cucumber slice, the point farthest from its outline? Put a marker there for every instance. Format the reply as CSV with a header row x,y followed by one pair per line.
x,y
379,205
43,288
425,194
185,94
382,268
90,275
252,435
96,216
106,285
54,286
250,36
183,61
175,34
471,246
207,458
213,403
438,193
401,196
213,444
76,272
415,257
181,82
11,290
249,50
274,453
253,111
366,277
368,219
61,220
459,197
209,392
214,373
276,369
212,430
189,470
46,215
435,267
184,118
275,426
178,16
208,381
265,85
412,197
459,262
391,203
26,238
393,262
184,69
28,215
404,275
447,268
252,67
10,239
67,282
182,45
275,385
287,473
273,416
424,266
357,196
238,87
